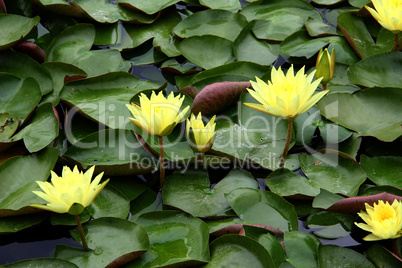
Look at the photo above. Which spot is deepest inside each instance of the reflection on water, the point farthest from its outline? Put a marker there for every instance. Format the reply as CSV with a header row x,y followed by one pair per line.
x,y
39,249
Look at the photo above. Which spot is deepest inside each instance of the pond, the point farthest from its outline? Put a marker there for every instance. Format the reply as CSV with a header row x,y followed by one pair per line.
x,y
200,133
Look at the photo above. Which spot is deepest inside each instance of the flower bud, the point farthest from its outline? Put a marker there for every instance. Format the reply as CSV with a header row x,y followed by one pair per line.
x,y
325,65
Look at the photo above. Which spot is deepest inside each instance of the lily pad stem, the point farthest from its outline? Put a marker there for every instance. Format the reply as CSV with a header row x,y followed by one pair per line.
x,y
287,143
396,42
161,162
199,157
81,231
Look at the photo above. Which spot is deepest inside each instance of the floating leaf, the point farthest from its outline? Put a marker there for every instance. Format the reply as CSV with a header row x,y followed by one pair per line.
x,y
42,129
14,28
59,71
109,12
24,66
207,51
220,23
115,151
376,111
18,176
150,7
263,207
231,5
381,70
333,256
17,223
359,38
172,229
191,191
73,46
19,96
240,251
42,262
383,170
247,47
277,19
333,172
112,90
302,249
381,257
129,241
160,31
235,71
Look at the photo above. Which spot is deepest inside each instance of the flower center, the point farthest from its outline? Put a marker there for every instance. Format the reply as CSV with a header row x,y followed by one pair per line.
x,y
385,214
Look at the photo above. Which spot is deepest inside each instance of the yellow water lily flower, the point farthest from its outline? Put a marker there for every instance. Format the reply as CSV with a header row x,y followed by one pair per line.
x,y
158,115
286,95
325,65
200,136
72,188
388,13
384,221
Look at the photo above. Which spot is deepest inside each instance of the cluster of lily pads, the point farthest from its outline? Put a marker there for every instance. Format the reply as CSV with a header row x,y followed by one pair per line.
x,y
68,70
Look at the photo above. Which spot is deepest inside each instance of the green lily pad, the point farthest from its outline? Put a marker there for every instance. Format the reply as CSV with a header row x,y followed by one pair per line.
x,y
300,44
160,31
376,111
340,82
18,176
286,183
150,7
192,193
146,202
59,71
316,27
381,70
42,262
334,256
109,12
42,129
274,248
60,7
220,23
14,28
18,96
8,126
168,230
207,51
235,71
327,218
325,199
383,170
302,249
247,47
333,133
239,251
381,257
114,151
231,5
358,36
113,91
276,20
258,136
262,207
358,3
24,66
17,223
73,46
129,241
333,172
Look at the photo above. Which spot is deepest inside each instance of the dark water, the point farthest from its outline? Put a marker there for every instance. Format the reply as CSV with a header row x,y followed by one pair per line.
x,y
18,251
